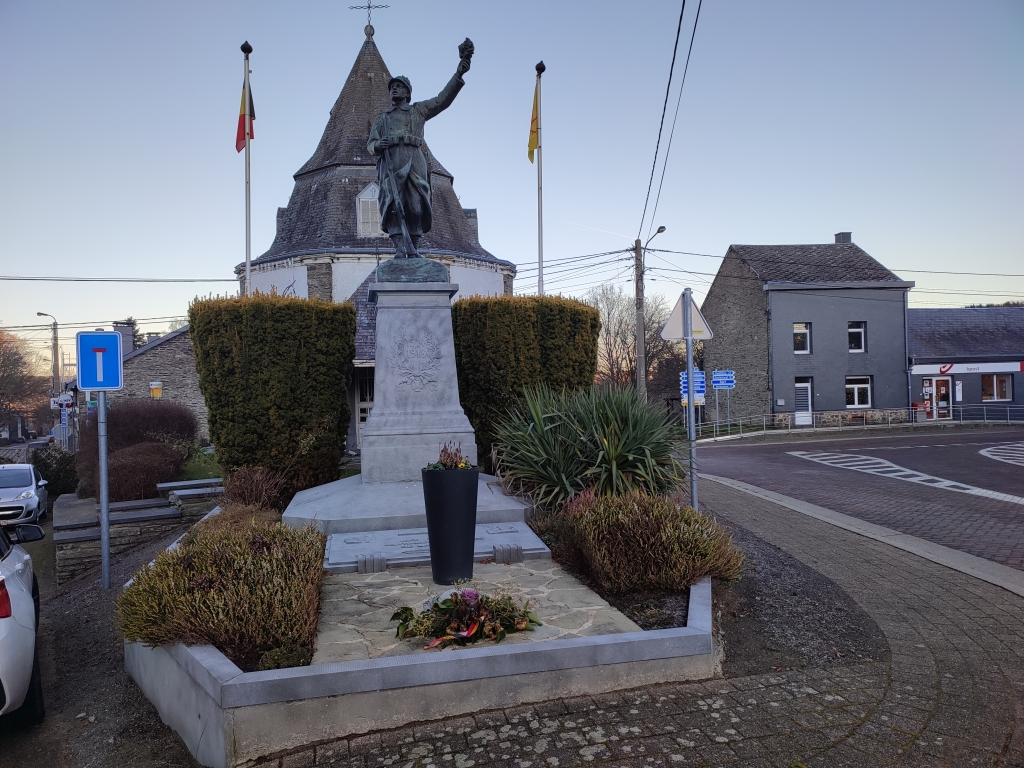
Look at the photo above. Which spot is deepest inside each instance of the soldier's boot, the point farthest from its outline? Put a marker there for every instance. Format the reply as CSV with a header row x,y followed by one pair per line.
x,y
399,242
415,246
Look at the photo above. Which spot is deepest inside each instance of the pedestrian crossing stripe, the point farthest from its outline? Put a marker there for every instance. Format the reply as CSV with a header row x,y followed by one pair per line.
x,y
1011,453
882,468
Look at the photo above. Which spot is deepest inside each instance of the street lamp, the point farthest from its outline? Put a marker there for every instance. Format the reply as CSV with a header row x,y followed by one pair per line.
x,y
56,369
641,352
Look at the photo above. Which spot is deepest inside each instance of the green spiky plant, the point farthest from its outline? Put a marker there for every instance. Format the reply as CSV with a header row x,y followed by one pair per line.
x,y
553,445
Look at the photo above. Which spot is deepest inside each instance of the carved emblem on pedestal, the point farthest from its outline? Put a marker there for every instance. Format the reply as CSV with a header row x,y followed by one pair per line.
x,y
416,356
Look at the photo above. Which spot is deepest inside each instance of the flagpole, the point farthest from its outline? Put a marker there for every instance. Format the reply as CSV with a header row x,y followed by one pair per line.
x,y
247,49
540,190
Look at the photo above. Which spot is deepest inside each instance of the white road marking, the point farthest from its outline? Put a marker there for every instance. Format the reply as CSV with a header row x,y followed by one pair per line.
x,y
883,468
1011,453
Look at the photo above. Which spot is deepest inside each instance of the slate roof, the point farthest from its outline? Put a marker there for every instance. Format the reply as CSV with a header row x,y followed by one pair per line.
x,y
156,342
947,335
828,262
321,214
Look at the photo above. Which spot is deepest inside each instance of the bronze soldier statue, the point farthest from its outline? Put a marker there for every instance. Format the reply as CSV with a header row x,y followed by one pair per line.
x,y
396,139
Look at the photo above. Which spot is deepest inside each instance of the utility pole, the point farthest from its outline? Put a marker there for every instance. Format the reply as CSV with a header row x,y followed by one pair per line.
x,y
641,352
56,354
641,323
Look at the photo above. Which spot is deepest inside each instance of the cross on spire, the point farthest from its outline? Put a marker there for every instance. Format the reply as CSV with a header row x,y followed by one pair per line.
x,y
369,8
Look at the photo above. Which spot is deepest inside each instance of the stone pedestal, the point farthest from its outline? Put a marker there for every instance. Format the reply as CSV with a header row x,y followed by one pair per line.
x,y
416,390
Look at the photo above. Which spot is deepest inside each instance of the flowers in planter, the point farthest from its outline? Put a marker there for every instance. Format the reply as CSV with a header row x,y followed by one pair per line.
x,y
450,457
466,616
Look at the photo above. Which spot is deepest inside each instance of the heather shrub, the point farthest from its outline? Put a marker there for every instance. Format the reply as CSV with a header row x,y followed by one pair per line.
x,y
254,487
133,472
238,517
634,542
57,468
553,445
252,593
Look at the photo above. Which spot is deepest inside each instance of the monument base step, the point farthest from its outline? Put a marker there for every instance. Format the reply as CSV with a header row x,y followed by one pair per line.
x,y
373,551
352,506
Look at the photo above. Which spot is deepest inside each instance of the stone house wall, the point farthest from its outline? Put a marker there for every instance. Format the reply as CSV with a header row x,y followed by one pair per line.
x,y
170,359
736,308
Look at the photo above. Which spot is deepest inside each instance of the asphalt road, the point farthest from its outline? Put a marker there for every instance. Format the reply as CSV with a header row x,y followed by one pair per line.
x,y
987,527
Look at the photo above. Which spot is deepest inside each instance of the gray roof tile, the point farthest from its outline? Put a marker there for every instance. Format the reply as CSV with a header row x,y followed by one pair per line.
x,y
828,262
975,332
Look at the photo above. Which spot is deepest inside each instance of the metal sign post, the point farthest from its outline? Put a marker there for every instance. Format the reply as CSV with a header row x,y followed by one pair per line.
x,y
690,434
100,369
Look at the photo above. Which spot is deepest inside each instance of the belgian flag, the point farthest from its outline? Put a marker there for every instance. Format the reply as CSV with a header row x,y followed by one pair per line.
x,y
240,134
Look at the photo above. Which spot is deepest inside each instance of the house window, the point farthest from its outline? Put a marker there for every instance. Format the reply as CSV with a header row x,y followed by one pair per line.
x,y
858,391
368,212
802,338
856,334
997,386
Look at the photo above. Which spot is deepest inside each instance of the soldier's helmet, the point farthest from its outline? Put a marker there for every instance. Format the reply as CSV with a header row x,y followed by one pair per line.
x,y
403,80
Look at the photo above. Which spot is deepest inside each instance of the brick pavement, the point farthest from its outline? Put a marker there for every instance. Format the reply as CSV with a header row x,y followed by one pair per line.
x,y
951,696
983,527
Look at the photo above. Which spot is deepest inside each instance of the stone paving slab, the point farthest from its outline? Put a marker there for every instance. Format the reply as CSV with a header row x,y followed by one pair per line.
x,y
412,546
356,609
951,697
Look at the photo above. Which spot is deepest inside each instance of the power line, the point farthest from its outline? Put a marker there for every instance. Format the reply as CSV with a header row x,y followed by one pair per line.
x,y
661,126
825,264
675,118
117,279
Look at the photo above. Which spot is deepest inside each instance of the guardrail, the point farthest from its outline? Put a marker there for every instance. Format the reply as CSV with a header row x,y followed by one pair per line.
x,y
854,419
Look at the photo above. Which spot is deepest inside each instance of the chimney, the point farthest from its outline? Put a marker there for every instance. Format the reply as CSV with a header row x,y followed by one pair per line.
x,y
473,223
151,337
127,331
844,237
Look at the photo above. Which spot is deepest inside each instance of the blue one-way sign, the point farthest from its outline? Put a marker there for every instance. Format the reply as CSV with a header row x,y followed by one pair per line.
x,y
99,360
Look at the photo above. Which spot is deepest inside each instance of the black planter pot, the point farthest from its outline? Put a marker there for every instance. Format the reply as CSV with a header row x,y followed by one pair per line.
x,y
450,498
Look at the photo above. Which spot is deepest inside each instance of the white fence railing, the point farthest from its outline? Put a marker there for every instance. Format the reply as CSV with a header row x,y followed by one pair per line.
x,y
856,419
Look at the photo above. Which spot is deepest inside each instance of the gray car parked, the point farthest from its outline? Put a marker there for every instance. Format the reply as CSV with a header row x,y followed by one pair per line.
x,y
22,494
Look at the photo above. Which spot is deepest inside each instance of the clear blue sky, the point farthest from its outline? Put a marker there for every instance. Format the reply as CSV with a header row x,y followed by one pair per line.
x,y
900,121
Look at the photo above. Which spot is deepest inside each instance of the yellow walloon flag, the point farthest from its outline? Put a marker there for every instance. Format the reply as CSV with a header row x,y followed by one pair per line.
x,y
534,126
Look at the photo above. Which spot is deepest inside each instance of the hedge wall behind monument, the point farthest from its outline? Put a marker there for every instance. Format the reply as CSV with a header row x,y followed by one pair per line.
x,y
275,373
503,343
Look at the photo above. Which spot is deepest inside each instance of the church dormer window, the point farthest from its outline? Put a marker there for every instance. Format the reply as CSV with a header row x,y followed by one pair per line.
x,y
368,212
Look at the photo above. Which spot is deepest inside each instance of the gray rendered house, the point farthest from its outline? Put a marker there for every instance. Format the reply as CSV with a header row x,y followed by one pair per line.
x,y
808,328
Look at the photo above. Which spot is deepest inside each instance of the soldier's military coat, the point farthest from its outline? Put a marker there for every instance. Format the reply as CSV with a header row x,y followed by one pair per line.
x,y
403,127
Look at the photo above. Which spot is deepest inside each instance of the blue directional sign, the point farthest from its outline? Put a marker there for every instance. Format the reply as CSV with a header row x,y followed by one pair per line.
x,y
699,384
99,360
723,380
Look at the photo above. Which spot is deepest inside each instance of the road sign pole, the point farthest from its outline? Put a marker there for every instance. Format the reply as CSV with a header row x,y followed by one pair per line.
x,y
690,417
101,428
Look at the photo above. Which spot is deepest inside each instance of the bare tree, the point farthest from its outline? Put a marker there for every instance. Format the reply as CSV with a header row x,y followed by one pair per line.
x,y
21,389
616,347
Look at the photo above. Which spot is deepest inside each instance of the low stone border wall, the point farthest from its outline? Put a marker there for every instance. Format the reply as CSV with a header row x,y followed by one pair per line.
x,y
231,719
78,546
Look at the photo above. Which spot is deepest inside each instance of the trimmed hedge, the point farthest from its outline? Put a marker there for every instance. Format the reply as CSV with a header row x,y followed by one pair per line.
x,y
57,468
506,343
275,373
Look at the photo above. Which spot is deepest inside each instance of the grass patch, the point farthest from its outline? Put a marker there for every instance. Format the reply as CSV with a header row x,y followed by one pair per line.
x,y
251,590
203,466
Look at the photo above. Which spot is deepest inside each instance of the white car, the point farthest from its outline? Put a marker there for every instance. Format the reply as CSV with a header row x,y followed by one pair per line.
x,y
22,494
21,688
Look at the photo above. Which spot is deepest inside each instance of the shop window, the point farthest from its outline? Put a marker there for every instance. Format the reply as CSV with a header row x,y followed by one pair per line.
x,y
857,335
997,386
858,391
801,338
